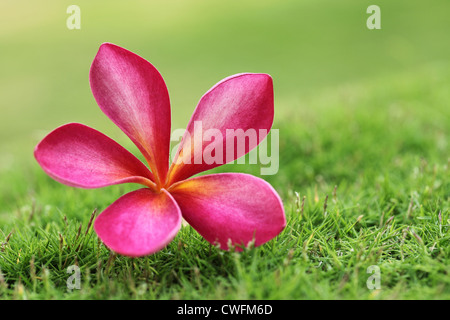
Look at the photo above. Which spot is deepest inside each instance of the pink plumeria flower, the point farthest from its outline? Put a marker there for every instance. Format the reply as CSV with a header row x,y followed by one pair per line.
x,y
226,209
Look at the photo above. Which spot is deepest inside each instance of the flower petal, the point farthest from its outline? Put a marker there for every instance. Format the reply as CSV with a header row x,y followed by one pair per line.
x,y
139,223
132,93
240,102
232,207
79,156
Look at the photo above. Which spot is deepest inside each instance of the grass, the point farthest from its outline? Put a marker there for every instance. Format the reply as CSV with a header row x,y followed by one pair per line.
x,y
363,173
364,182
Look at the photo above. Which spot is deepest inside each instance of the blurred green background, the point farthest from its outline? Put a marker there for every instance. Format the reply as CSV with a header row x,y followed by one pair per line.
x,y
311,48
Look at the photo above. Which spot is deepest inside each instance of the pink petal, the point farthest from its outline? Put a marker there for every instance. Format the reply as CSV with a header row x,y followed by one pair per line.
x,y
80,156
242,101
231,207
139,223
132,93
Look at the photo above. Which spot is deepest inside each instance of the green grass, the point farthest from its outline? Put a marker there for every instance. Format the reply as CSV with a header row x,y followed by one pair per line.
x,y
369,151
363,119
